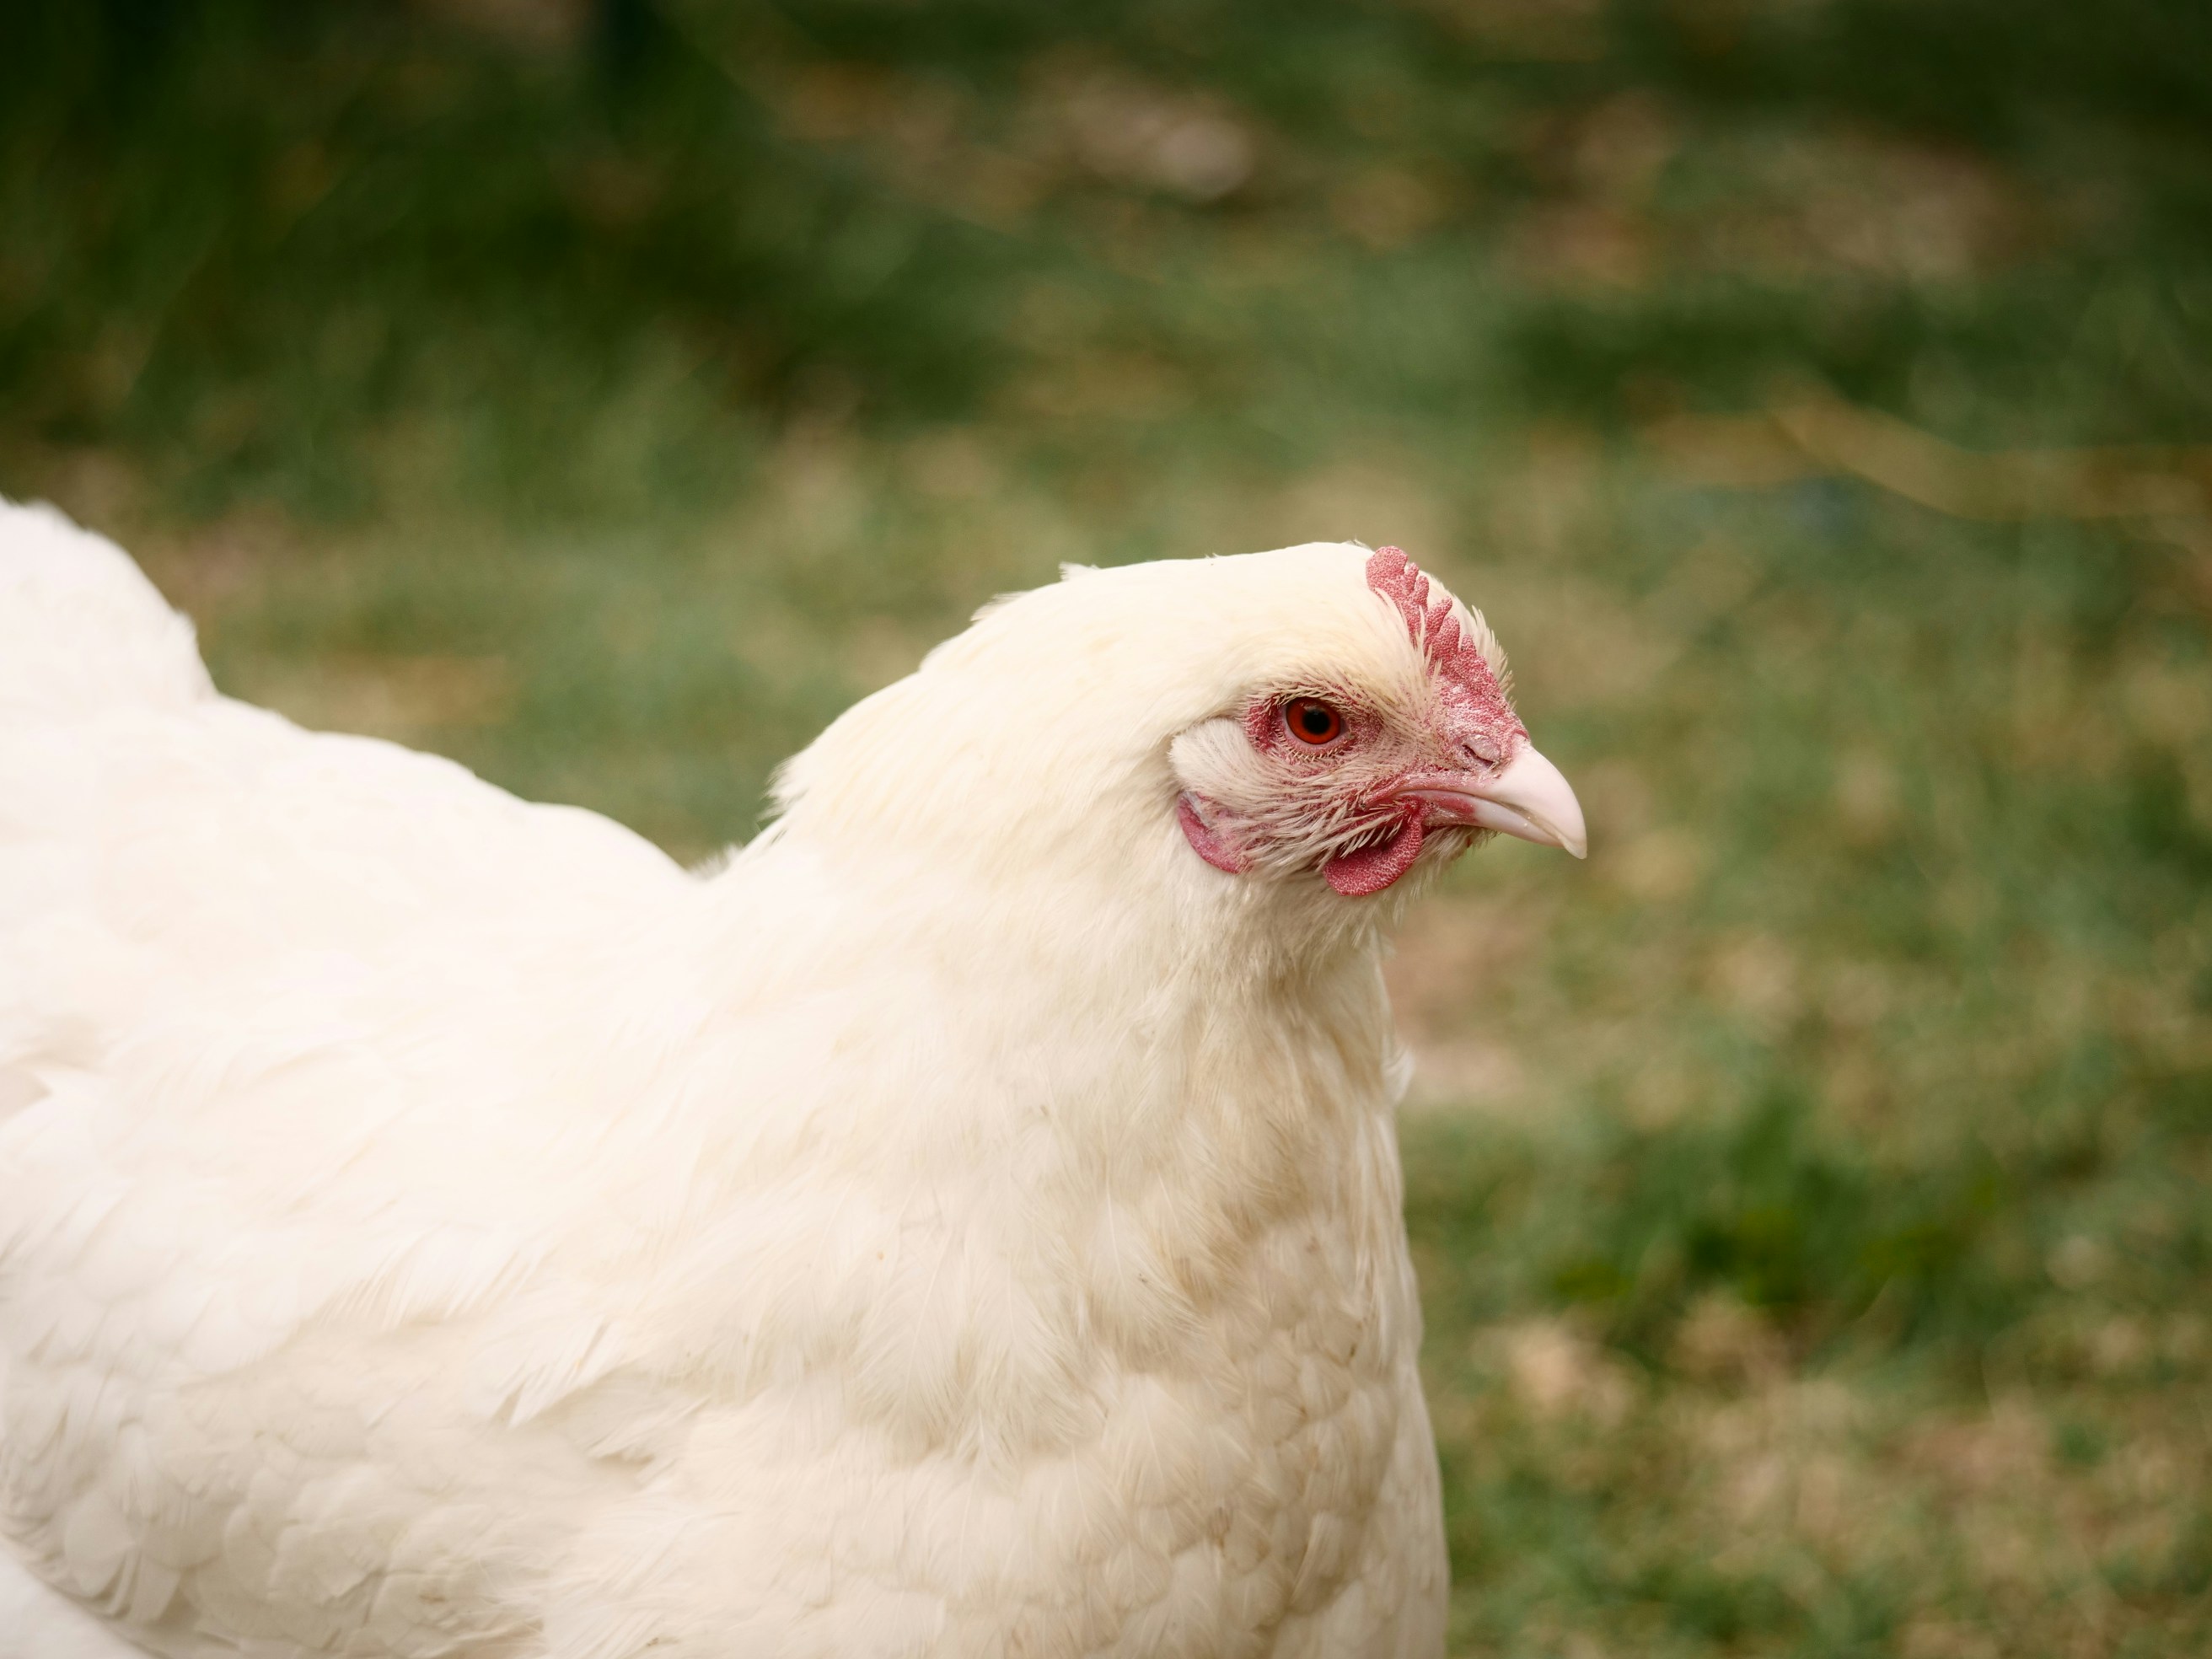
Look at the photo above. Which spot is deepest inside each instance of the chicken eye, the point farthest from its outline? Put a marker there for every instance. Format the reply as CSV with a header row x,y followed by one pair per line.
x,y
1312,722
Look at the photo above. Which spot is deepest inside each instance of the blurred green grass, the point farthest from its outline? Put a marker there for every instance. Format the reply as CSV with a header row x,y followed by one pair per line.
x,y
1810,1191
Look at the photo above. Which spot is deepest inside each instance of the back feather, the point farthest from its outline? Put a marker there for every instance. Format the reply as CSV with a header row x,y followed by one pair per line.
x,y
81,628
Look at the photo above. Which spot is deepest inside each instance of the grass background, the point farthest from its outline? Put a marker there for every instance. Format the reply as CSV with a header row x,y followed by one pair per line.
x,y
1810,1190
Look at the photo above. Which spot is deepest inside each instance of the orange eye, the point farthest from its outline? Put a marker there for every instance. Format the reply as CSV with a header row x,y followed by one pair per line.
x,y
1312,722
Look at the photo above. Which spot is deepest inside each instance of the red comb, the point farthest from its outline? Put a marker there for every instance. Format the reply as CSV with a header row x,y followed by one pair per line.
x,y
1450,649
1429,622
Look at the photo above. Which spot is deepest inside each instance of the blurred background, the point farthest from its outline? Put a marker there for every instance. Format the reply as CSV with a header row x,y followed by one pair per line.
x,y
1810,1190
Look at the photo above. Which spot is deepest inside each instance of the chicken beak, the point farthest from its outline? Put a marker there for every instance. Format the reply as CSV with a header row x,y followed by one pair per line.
x,y
1531,798
1527,797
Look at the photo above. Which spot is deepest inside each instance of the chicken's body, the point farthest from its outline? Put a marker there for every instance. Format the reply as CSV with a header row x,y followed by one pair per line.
x,y
436,1225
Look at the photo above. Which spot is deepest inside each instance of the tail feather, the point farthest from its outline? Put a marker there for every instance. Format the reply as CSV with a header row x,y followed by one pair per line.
x,y
81,628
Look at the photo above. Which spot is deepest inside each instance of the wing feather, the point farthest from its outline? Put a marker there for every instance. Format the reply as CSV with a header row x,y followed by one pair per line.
x,y
225,1186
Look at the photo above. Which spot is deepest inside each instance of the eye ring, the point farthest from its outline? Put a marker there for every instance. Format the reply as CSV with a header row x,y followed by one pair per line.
x,y
1312,723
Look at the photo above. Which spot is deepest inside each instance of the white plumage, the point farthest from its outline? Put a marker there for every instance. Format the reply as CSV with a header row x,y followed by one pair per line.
x,y
966,1223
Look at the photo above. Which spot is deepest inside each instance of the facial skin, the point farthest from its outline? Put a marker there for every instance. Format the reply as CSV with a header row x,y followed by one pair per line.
x,y
1353,783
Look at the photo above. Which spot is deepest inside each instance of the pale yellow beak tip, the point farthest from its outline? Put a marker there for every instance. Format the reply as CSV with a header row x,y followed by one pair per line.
x,y
1531,798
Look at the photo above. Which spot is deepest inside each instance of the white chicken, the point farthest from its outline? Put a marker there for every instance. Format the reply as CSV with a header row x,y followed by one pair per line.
x,y
966,1223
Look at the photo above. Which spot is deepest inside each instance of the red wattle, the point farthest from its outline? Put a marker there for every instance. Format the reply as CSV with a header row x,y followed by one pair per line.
x,y
1371,869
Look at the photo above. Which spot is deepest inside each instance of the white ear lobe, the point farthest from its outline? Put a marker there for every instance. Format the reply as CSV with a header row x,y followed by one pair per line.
x,y
1215,758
